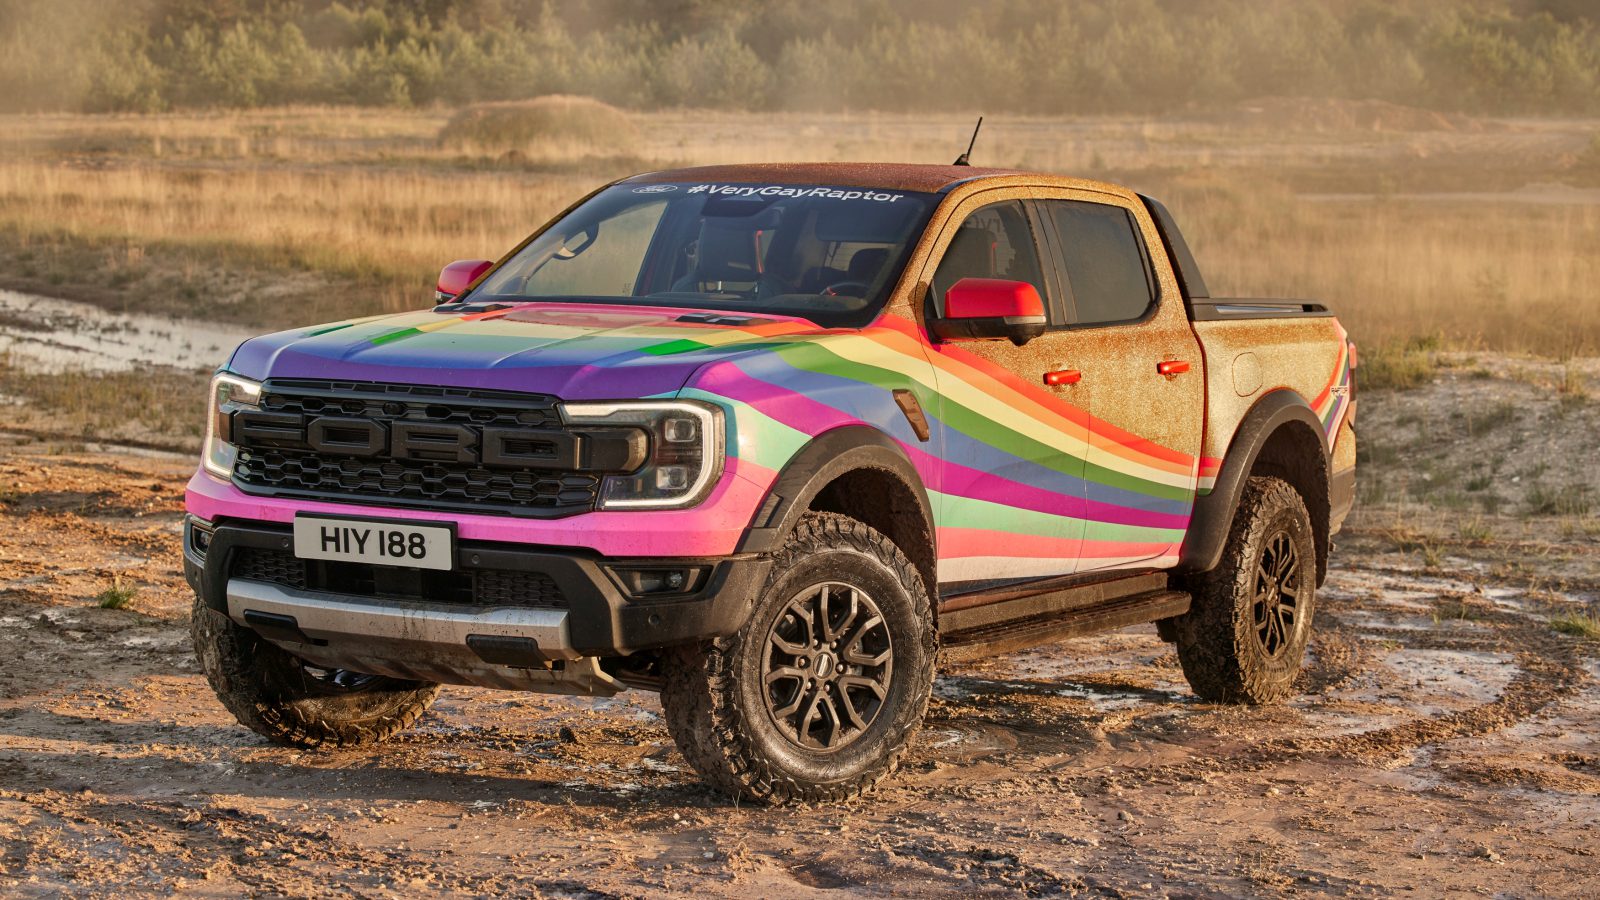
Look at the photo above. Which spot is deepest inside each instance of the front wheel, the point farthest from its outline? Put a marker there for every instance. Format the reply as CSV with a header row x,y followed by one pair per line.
x,y
289,701
820,692
1244,638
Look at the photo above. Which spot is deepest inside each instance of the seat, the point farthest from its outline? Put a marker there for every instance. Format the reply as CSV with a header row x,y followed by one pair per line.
x,y
867,264
728,252
864,267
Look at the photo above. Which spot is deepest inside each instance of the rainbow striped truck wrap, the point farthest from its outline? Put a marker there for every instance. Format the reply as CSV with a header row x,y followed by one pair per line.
x,y
770,439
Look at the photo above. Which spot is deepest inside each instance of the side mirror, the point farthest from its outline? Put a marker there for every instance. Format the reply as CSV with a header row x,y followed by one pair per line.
x,y
457,277
977,309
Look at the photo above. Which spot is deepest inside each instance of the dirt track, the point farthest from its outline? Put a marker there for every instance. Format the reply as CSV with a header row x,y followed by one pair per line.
x,y
1448,741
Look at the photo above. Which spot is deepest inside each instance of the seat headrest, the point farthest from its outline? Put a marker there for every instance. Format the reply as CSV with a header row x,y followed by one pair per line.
x,y
729,250
865,264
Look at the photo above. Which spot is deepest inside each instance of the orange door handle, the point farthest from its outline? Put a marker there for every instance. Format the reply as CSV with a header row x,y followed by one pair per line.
x,y
1172,366
1063,376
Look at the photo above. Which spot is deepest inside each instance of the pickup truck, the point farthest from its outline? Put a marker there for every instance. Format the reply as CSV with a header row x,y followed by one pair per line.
x,y
769,440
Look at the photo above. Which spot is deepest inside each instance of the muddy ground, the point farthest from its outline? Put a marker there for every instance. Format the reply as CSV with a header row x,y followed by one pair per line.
x,y
1447,740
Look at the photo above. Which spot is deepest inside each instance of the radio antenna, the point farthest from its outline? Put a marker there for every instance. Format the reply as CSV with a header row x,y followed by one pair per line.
x,y
963,159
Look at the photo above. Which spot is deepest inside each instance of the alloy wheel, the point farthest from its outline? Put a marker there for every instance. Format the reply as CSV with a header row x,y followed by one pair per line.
x,y
1277,594
826,666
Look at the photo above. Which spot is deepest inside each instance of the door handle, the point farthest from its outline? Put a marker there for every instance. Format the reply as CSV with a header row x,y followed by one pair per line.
x,y
1172,366
1063,376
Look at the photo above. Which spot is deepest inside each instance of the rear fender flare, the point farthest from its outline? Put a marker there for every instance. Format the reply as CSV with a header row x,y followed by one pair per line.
x,y
1213,513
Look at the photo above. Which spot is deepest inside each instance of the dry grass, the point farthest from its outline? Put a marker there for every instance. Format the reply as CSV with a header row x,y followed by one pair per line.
x,y
367,205
1580,625
1408,274
158,407
384,233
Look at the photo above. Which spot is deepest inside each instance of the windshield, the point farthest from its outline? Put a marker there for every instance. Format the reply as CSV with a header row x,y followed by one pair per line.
x,y
828,254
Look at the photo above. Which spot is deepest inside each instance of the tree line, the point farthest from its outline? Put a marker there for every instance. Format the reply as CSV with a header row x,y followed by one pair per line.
x,y
1047,57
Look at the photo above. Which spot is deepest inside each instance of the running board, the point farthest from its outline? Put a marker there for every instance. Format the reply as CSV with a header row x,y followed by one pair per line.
x,y
1020,634
970,612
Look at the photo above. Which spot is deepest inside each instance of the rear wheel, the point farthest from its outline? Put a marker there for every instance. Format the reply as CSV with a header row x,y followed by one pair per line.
x,y
290,701
820,692
1244,638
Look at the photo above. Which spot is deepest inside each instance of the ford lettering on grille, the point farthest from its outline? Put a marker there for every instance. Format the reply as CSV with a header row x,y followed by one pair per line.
x,y
487,451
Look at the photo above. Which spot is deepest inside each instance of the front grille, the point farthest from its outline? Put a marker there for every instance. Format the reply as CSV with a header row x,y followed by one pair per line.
x,y
467,587
412,484
292,448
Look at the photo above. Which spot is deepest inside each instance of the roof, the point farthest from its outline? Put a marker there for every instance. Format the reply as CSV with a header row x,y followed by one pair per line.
x,y
887,176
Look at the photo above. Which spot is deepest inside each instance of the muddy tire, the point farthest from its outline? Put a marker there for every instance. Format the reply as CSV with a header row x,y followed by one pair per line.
x,y
821,691
279,697
1245,636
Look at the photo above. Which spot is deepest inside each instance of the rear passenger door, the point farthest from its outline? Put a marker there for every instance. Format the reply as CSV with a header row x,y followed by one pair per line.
x,y
1140,362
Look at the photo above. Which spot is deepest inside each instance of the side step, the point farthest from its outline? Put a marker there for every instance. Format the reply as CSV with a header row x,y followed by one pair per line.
x,y
1020,634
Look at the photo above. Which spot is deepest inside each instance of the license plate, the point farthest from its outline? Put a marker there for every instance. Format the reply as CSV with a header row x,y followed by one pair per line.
x,y
367,541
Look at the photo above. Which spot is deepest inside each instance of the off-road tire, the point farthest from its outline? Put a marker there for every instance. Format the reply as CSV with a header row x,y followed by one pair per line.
x,y
716,701
1224,655
269,691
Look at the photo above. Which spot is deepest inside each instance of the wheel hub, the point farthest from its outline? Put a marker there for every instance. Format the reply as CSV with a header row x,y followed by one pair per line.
x,y
826,666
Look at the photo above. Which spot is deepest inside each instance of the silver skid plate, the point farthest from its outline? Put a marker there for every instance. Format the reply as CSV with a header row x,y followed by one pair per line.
x,y
416,640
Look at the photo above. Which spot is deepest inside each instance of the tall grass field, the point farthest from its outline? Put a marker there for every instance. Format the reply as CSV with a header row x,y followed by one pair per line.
x,y
1421,233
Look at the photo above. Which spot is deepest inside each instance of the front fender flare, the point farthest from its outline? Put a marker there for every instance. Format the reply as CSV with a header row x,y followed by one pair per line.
x,y
828,456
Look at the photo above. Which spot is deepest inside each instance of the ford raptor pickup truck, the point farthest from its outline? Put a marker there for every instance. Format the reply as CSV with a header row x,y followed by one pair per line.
x,y
769,440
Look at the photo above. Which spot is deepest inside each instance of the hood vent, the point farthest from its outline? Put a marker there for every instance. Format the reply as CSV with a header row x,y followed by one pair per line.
x,y
715,319
464,308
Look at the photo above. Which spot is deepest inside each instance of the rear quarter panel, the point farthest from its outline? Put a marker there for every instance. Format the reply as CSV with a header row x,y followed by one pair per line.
x,y
1246,359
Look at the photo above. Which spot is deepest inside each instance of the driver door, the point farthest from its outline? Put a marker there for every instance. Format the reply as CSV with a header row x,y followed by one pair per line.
x,y
1010,504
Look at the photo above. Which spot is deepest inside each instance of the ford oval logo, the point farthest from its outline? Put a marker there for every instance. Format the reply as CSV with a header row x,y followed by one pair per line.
x,y
656,189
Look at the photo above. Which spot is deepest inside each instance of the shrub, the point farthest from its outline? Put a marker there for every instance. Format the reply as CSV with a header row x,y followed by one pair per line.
x,y
1397,366
1564,500
546,126
117,596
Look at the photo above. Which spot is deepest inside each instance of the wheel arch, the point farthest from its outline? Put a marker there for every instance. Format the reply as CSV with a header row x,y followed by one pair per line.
x,y
1280,436
860,472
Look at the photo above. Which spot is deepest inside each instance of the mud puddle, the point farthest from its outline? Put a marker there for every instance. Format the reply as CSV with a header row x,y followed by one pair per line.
x,y
63,334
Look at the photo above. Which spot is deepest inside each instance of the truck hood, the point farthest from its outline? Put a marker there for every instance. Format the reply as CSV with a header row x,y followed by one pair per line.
x,y
572,351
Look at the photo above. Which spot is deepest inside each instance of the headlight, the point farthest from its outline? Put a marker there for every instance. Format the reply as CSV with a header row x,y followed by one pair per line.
x,y
685,451
229,394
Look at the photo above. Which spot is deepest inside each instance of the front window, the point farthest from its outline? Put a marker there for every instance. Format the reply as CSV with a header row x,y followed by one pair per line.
x,y
828,254
994,242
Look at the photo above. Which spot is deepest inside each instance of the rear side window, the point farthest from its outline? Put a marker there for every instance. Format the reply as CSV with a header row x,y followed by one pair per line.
x,y
994,242
1104,261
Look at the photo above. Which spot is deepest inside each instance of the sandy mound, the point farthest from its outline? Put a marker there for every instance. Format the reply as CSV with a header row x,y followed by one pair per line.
x,y
541,127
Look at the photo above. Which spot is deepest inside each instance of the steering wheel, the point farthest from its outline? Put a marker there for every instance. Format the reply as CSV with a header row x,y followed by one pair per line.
x,y
840,288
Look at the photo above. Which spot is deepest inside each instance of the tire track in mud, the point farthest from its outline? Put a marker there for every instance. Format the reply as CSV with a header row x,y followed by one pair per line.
x,y
69,841
1549,668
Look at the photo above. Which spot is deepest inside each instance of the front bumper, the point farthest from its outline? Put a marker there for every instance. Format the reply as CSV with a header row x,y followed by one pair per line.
x,y
500,646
